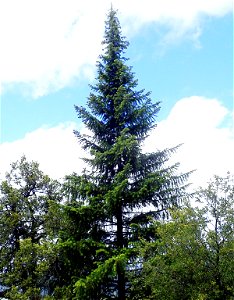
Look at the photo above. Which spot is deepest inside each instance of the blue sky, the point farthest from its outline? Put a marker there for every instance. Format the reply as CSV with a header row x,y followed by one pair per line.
x,y
181,53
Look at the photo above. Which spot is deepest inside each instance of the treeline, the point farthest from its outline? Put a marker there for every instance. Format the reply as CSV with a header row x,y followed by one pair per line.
x,y
55,244
124,229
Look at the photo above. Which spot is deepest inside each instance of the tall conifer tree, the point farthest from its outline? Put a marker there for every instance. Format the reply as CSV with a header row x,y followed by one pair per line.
x,y
123,182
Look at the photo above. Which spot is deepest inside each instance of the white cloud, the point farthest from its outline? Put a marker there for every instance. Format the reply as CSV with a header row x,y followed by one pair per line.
x,y
194,121
208,146
56,149
46,43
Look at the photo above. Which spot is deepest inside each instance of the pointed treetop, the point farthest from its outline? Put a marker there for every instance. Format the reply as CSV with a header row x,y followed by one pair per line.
x,y
113,38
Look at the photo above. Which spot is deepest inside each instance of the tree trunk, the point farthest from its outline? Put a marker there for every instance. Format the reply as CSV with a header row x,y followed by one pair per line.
x,y
120,244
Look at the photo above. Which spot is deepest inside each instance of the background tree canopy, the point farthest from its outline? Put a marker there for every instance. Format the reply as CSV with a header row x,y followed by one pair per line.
x,y
194,253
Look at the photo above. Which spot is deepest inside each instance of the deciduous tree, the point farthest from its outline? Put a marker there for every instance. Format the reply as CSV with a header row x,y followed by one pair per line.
x,y
194,253
25,225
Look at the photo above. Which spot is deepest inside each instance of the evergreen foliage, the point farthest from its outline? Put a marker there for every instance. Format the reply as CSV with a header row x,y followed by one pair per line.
x,y
114,204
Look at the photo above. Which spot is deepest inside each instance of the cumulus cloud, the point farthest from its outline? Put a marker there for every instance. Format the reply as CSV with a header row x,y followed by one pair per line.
x,y
46,44
205,127
197,122
56,149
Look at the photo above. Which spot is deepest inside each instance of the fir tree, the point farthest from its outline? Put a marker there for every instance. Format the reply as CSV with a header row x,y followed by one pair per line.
x,y
124,182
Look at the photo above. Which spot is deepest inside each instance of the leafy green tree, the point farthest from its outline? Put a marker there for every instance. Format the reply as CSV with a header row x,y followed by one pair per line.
x,y
175,261
26,226
114,204
218,201
193,256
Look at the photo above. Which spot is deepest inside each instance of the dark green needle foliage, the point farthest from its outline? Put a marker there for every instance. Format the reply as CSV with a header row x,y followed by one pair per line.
x,y
125,189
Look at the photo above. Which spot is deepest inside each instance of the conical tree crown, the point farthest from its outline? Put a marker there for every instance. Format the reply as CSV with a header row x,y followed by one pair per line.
x,y
126,188
114,103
